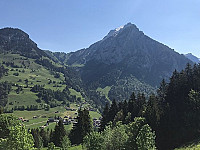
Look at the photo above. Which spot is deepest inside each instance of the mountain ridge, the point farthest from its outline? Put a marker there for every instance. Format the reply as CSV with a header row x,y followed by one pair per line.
x,y
125,53
33,74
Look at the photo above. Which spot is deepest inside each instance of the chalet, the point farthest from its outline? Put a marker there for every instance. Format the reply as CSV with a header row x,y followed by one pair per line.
x,y
67,108
42,127
25,120
20,118
56,120
65,122
96,123
91,109
51,120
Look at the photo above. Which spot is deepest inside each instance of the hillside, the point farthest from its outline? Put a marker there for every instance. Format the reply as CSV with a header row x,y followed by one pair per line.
x,y
35,87
35,78
125,60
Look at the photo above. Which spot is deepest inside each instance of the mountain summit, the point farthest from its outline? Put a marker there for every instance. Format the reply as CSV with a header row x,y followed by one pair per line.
x,y
118,43
116,31
126,60
127,46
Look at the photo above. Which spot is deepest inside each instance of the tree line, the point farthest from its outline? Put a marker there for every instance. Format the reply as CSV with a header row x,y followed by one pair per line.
x,y
173,112
50,96
5,89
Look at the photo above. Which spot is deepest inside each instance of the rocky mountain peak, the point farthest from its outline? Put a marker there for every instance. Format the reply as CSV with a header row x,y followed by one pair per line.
x,y
130,51
192,58
129,26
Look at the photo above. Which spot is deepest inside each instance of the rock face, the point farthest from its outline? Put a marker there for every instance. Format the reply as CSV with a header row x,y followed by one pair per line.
x,y
132,52
193,58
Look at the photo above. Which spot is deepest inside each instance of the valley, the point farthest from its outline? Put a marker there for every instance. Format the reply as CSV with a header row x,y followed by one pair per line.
x,y
125,91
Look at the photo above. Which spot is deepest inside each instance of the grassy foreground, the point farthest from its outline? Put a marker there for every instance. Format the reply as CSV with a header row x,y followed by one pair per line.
x,y
79,147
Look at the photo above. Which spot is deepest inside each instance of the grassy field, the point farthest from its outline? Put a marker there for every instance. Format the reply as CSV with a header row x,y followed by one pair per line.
x,y
23,98
33,73
77,94
79,147
104,91
94,114
40,113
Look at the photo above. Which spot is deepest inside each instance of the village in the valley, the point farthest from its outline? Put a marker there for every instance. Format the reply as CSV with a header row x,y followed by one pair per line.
x,y
67,119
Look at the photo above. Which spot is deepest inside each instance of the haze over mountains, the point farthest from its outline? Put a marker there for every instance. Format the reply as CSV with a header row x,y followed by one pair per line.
x,y
125,60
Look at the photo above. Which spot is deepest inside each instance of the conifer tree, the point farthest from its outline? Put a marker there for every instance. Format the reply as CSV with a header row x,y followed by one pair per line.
x,y
65,143
59,133
1,110
81,128
45,137
113,110
162,91
38,143
105,115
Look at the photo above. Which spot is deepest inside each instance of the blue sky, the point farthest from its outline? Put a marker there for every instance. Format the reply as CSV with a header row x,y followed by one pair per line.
x,y
64,25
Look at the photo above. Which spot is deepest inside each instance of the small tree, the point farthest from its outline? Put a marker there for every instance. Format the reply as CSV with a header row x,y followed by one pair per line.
x,y
65,145
51,146
6,121
18,139
38,143
116,137
94,141
146,138
1,110
140,135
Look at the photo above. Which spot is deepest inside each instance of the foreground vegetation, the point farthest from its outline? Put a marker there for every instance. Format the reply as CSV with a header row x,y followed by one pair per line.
x,y
172,116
